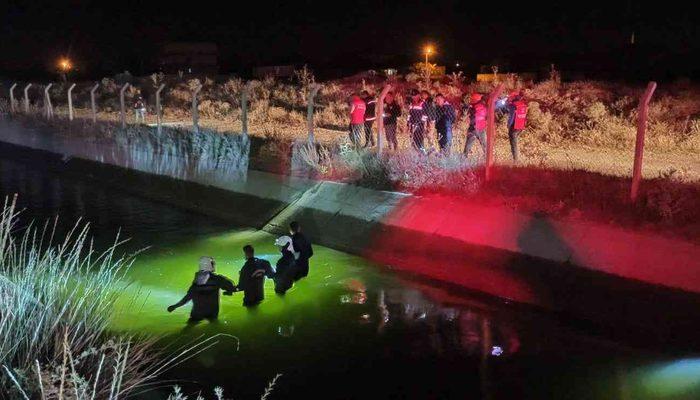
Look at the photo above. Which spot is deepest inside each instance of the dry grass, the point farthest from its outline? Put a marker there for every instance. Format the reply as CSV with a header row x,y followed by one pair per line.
x,y
578,124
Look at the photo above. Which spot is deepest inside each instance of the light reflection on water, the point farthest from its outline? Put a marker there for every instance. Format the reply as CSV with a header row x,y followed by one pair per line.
x,y
356,324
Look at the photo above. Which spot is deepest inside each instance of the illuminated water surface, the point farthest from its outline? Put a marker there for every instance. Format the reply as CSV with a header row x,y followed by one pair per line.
x,y
352,329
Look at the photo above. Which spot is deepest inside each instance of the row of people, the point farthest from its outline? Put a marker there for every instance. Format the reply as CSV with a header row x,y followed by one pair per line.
x,y
426,113
292,266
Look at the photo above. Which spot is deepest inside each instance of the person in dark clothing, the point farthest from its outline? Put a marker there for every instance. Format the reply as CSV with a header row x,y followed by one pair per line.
x,y
417,120
252,277
303,249
370,104
392,111
286,268
429,109
204,292
444,118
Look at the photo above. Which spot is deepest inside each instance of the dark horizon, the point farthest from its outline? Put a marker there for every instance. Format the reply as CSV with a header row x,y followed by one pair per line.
x,y
589,38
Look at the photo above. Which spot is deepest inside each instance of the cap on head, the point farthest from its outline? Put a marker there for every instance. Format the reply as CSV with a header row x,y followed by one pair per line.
x,y
206,263
475,98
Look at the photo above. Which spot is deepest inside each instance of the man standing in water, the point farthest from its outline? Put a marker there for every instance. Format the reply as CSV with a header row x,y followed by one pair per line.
x,y
286,267
252,277
303,248
204,292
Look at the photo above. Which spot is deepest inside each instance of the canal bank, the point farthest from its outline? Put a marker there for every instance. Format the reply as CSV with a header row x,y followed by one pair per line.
x,y
523,258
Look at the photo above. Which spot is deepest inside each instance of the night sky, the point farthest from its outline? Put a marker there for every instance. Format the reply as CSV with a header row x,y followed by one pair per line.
x,y
592,38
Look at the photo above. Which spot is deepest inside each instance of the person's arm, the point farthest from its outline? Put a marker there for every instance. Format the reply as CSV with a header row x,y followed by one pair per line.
x,y
225,284
269,272
242,279
182,301
510,109
451,114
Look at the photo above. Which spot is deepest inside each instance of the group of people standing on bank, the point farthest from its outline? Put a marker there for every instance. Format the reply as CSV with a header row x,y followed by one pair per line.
x,y
426,113
292,266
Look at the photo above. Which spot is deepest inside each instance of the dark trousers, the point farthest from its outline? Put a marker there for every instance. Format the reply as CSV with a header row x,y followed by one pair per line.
x,y
390,132
471,137
417,135
355,132
445,139
302,269
513,136
369,137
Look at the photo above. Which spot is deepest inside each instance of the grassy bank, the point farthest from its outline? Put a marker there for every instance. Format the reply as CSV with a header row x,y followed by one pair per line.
x,y
56,299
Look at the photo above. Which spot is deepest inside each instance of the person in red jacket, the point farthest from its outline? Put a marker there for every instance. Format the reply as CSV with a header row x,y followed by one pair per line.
x,y
357,118
517,119
477,123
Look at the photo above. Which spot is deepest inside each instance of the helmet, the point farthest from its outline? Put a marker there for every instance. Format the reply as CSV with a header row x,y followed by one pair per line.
x,y
206,264
285,242
475,98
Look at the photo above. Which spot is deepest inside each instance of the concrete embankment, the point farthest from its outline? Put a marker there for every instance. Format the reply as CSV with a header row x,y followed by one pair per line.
x,y
563,265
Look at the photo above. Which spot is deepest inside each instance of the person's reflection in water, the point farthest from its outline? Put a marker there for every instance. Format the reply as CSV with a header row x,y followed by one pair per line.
x,y
286,268
204,292
252,277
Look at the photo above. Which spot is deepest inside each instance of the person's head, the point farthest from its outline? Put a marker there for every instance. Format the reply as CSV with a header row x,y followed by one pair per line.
x,y
364,94
285,244
424,94
294,227
440,99
207,264
354,97
414,94
475,98
249,251
389,98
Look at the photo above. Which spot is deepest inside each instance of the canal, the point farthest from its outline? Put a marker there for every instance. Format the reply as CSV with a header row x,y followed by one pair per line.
x,y
352,329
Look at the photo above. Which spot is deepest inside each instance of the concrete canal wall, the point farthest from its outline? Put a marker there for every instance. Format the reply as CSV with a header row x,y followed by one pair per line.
x,y
525,258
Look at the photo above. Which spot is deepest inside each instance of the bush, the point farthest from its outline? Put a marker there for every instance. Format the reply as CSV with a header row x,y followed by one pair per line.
x,y
55,305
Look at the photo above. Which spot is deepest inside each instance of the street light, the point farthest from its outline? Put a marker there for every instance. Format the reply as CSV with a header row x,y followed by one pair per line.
x,y
64,65
428,50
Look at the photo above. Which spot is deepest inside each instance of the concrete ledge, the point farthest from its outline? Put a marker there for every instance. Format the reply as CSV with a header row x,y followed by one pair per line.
x,y
438,236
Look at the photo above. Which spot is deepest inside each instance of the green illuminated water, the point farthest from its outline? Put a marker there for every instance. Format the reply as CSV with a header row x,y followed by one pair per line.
x,y
352,329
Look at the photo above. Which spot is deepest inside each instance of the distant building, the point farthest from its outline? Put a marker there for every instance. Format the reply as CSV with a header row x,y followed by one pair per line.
x,y
189,57
275,71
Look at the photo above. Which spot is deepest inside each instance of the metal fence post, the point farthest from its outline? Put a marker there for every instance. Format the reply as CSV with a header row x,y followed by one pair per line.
x,y
92,102
70,102
13,102
47,101
244,110
380,116
159,109
491,129
195,112
26,98
122,111
642,114
310,111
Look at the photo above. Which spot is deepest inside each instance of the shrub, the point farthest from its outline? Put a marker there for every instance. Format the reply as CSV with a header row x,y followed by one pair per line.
x,y
55,304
